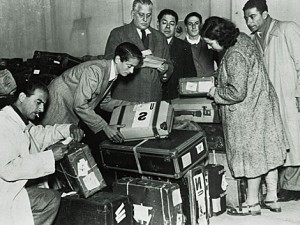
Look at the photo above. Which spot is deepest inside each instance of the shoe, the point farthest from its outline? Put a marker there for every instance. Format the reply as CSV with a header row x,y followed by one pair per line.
x,y
287,195
245,210
271,205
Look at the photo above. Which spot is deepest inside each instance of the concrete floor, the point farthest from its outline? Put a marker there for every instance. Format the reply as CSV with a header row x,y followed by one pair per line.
x,y
290,215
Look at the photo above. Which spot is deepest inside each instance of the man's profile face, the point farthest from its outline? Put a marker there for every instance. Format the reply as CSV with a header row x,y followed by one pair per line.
x,y
254,19
142,16
167,25
193,26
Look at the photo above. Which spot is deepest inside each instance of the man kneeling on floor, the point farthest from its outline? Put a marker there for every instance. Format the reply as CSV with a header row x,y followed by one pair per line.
x,y
24,156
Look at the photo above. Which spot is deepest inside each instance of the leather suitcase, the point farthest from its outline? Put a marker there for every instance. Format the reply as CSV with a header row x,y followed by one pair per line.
x,y
200,110
217,188
54,62
102,208
236,190
154,202
194,189
195,86
171,157
79,171
148,120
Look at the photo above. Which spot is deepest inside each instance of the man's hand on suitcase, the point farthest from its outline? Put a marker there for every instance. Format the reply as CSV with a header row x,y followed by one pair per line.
x,y
76,133
59,150
113,133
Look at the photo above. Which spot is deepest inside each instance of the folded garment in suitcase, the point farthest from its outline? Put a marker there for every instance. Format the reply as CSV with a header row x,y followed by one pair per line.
x,y
215,136
170,157
195,86
201,110
147,120
102,208
154,202
79,171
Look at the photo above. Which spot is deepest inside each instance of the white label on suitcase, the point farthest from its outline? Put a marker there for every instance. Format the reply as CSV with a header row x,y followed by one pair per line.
x,y
141,213
91,182
143,115
176,197
200,148
186,160
216,204
191,86
82,168
120,213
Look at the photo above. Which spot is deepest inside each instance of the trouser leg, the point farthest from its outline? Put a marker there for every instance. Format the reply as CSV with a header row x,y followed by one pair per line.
x,y
252,190
290,178
44,205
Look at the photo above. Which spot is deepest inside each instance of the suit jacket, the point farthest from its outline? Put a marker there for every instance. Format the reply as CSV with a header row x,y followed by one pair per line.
x,y
144,84
75,94
204,59
182,59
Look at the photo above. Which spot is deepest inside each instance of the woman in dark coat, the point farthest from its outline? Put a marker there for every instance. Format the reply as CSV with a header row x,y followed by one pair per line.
x,y
255,138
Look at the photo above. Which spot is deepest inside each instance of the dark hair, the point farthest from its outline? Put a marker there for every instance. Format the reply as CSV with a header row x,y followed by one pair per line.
x,y
167,12
128,50
221,30
142,2
261,5
192,14
28,87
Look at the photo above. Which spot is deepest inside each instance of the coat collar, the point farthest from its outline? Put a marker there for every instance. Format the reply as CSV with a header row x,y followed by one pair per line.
x,y
16,118
135,37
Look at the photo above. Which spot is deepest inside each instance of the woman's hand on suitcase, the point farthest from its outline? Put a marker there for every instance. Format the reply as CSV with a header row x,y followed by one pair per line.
x,y
113,133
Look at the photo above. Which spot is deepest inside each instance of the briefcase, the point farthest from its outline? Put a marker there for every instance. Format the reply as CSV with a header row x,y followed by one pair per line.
x,y
170,157
200,110
147,120
102,208
79,171
195,86
154,202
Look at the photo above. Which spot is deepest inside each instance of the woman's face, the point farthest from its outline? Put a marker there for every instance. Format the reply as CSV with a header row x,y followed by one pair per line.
x,y
213,44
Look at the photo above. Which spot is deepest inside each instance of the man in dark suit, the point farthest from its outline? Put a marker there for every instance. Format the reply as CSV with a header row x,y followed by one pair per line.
x,y
146,85
204,58
180,52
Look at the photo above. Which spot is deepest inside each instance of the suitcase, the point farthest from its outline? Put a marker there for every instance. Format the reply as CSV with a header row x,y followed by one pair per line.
x,y
171,157
54,63
195,86
214,135
79,171
236,190
154,202
147,120
217,188
200,110
102,208
194,189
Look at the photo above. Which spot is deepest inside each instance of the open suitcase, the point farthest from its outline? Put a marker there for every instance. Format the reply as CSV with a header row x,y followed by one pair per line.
x,y
171,157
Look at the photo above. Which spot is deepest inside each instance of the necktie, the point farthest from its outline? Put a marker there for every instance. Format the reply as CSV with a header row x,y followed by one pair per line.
x,y
144,39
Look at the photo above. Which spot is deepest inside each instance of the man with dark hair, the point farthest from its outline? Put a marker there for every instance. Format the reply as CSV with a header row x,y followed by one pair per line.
x,y
75,94
180,52
279,44
146,85
24,156
204,58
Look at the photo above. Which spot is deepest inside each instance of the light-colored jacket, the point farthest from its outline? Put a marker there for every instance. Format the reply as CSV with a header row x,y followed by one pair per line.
x,y
18,163
282,60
